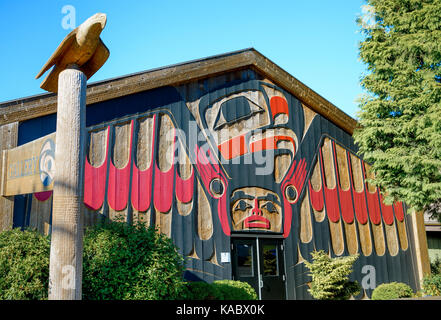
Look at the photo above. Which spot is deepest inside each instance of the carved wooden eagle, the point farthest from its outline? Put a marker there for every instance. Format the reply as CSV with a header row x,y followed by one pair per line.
x,y
82,47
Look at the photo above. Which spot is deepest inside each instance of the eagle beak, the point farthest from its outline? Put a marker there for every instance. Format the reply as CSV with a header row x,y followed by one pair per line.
x,y
100,18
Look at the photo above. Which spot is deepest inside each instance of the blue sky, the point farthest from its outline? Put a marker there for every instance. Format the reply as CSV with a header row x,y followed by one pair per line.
x,y
316,41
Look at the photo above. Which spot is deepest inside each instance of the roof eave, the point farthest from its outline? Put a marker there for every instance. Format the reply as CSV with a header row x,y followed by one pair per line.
x,y
44,104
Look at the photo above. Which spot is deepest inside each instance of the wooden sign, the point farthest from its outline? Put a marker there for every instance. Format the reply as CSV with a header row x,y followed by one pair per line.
x,y
29,168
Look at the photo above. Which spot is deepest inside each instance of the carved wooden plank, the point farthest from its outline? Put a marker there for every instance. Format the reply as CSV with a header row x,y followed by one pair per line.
x,y
346,203
164,175
8,140
392,239
119,171
402,234
185,172
204,218
375,215
335,225
30,167
305,220
360,205
379,241
316,185
144,163
96,157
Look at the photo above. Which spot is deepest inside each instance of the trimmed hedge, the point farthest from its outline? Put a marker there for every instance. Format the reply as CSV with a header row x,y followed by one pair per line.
x,y
390,291
220,290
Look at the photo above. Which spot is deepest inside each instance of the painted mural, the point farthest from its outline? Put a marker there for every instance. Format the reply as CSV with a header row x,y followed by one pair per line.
x,y
236,155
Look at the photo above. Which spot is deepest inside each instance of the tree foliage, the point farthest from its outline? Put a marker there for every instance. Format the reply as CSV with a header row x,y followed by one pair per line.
x,y
400,115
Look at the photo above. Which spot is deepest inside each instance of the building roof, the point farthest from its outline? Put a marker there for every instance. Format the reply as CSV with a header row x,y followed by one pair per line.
x,y
44,104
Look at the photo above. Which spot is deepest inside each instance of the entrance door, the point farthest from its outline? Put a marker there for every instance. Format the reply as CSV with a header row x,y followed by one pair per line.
x,y
260,262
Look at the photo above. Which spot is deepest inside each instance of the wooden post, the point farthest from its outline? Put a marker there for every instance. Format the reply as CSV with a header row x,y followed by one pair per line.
x,y
65,273
76,59
8,140
420,240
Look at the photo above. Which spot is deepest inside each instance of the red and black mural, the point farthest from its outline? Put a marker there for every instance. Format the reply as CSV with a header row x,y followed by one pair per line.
x,y
236,156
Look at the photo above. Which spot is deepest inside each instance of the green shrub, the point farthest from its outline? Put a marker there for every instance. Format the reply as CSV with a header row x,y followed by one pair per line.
x,y
235,290
432,285
123,262
200,290
24,265
390,291
330,277
220,290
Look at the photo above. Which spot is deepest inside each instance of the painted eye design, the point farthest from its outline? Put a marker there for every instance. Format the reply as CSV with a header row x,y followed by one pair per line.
x,y
270,207
242,206
236,109
291,193
217,187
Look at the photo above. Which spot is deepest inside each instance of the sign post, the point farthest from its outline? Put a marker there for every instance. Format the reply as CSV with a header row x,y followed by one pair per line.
x,y
76,59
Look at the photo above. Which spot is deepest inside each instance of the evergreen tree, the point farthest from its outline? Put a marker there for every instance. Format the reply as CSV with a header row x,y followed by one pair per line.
x,y
400,115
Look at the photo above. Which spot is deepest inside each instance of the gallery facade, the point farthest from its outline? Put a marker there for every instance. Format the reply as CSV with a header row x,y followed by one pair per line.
x,y
245,168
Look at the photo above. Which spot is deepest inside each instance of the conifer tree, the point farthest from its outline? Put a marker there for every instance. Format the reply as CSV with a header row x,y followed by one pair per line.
x,y
400,115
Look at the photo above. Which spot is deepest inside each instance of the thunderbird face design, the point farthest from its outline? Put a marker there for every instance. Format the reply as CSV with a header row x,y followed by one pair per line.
x,y
249,127
256,209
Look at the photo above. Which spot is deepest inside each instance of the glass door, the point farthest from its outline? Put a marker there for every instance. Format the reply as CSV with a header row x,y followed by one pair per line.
x,y
259,261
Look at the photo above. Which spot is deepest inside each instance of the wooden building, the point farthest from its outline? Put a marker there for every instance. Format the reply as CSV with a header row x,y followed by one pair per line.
x,y
242,165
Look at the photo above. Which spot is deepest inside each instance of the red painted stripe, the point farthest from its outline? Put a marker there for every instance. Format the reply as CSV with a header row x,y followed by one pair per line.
x,y
95,181
387,211
119,181
163,189
142,180
347,209
373,201
278,105
288,218
331,196
233,148
359,198
317,200
223,214
184,188
360,207
163,186
399,211
332,207
374,207
142,188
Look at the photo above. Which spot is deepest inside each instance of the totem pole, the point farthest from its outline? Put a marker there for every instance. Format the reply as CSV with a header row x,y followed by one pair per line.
x,y
76,59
